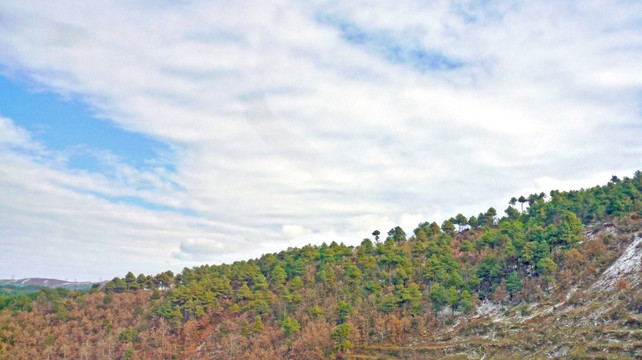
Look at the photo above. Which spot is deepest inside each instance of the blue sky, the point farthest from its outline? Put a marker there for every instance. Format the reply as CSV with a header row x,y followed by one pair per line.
x,y
69,125
70,130
209,132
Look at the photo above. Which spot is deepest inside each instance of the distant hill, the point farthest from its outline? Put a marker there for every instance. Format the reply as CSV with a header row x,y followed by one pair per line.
x,y
50,283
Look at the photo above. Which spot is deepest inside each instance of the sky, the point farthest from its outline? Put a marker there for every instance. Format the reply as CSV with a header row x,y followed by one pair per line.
x,y
154,135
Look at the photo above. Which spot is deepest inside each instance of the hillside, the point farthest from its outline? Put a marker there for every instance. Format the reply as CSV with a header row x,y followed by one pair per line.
x,y
595,317
557,277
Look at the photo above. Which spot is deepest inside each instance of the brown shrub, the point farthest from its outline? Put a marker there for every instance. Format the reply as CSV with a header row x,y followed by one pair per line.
x,y
621,285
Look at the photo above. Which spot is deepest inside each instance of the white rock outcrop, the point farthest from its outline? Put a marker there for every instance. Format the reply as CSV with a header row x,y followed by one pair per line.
x,y
627,267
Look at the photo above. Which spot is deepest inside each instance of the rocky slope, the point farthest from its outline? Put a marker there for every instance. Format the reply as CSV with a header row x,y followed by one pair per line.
x,y
595,317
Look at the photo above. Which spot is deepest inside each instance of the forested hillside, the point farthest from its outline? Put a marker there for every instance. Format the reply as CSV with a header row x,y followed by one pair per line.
x,y
395,293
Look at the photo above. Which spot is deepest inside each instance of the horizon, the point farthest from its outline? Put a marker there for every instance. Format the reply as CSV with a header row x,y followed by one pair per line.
x,y
211,133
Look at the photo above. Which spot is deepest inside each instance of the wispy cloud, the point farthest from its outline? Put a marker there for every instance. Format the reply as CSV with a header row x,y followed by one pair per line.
x,y
293,123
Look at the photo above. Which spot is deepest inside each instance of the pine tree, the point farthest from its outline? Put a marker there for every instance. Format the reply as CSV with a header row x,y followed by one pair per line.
x,y
340,336
513,283
258,325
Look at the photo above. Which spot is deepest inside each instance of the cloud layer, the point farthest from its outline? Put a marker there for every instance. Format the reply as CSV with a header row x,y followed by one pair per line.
x,y
293,123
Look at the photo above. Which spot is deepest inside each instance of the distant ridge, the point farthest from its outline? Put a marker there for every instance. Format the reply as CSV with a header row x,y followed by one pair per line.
x,y
50,283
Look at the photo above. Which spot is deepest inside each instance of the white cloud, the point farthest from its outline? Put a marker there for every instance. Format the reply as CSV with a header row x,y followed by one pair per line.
x,y
370,223
13,136
200,249
286,132
294,231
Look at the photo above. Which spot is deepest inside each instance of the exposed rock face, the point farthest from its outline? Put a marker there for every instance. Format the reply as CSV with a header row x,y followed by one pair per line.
x,y
626,267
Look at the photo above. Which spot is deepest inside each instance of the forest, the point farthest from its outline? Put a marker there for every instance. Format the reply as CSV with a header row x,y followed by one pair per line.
x,y
332,301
